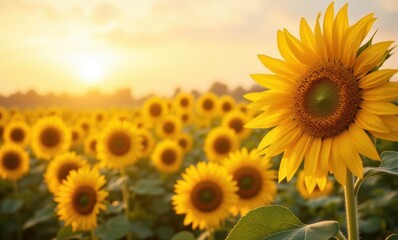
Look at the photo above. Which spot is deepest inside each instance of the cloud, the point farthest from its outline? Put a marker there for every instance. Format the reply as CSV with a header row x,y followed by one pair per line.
x,y
104,13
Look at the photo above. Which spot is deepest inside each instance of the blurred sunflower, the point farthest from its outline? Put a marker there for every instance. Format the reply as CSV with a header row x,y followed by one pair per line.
x,y
219,142
236,120
4,115
147,141
119,145
14,161
169,127
142,123
90,144
80,199
154,109
60,167
183,101
204,195
323,97
77,135
86,124
50,136
255,178
206,105
186,116
17,132
226,103
167,156
316,193
185,141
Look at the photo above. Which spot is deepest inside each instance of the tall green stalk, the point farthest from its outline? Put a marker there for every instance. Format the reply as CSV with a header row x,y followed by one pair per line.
x,y
351,208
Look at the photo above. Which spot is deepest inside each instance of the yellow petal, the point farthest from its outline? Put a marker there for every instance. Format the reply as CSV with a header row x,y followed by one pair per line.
x,y
391,122
312,157
307,36
370,58
285,50
324,156
337,164
297,153
321,48
270,119
340,25
328,29
310,183
279,67
265,99
376,78
322,182
379,108
362,142
349,154
370,122
386,92
391,136
302,52
271,81
282,173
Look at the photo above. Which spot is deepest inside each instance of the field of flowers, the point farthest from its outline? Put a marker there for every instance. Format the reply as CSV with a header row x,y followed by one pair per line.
x,y
180,168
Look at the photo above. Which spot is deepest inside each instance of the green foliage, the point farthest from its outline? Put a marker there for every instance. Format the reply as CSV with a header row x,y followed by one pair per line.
x,y
184,235
114,228
278,222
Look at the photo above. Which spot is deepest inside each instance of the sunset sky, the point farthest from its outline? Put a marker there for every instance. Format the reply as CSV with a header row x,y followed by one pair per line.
x,y
153,46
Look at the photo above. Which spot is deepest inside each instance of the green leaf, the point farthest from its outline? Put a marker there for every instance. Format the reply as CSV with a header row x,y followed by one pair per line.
x,y
184,235
67,233
278,222
393,237
148,187
11,205
113,229
40,215
389,165
141,229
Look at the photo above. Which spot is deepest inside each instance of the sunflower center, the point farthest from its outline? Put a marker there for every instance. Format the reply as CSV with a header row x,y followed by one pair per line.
x,y
144,142
17,135
85,127
184,102
236,125
226,106
100,117
327,100
64,170
208,104
169,156
249,182
155,110
168,127
183,143
222,145
75,136
184,117
11,160
206,196
93,145
119,144
84,200
50,137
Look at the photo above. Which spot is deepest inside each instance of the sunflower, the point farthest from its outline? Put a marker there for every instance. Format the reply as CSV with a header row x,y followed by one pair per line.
x,y
206,105
60,167
169,127
80,199
90,144
85,124
77,135
236,120
17,132
255,178
14,161
323,97
154,109
219,142
147,141
4,115
185,141
119,145
167,156
226,103
142,123
183,101
204,195
50,136
316,193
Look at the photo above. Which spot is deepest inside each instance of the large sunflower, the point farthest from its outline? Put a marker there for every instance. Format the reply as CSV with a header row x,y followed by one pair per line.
x,y
167,156
255,178
50,136
60,167
119,145
14,161
219,142
205,195
324,97
80,199
17,132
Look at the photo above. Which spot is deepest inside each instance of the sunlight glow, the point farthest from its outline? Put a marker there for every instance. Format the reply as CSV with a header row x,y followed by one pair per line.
x,y
91,68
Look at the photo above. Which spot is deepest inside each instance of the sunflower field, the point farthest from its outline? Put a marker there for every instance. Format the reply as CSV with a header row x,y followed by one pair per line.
x,y
313,156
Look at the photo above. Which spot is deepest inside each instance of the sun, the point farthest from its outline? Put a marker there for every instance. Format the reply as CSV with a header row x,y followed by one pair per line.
x,y
90,68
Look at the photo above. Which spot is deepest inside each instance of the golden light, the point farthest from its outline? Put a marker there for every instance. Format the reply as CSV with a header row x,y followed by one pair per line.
x,y
90,68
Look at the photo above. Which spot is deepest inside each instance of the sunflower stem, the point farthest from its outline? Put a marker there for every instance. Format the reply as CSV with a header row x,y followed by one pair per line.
x,y
210,235
351,207
18,213
126,199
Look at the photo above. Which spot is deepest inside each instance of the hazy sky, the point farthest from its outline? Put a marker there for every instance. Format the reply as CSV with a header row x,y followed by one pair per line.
x,y
153,45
